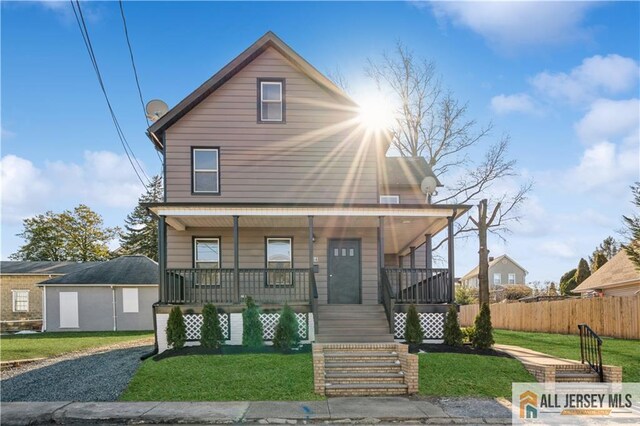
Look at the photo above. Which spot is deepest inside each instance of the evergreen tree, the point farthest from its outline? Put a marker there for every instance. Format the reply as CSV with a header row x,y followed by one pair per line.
x,y
210,333
551,290
598,260
141,227
413,333
483,337
286,336
633,228
582,273
452,331
176,329
568,282
252,330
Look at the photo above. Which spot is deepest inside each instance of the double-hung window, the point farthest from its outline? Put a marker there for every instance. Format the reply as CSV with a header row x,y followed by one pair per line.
x,y
206,256
497,278
279,260
20,300
206,171
512,278
271,105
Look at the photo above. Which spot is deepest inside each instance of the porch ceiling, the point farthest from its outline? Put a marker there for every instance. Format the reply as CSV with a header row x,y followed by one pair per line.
x,y
404,225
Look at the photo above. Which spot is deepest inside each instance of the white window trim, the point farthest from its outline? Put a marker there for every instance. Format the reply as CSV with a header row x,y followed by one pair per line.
x,y
389,197
195,251
14,293
271,101
290,240
499,276
216,170
510,276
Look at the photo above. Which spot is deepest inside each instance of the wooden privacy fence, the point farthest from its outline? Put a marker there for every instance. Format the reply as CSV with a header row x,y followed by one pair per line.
x,y
607,316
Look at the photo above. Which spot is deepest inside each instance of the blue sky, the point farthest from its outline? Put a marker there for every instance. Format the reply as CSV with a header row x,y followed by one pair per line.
x,y
560,78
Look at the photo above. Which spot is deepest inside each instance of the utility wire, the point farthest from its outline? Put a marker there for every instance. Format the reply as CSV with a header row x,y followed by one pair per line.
x,y
135,70
123,140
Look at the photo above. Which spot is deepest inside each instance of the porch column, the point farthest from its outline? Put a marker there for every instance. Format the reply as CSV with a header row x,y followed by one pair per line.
x,y
451,258
428,249
380,255
311,292
162,258
236,260
412,257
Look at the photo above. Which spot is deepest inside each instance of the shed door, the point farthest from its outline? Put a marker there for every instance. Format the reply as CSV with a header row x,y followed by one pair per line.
x,y
69,309
344,271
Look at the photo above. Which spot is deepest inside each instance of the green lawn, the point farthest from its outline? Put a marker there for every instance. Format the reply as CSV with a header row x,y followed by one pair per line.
x,y
447,374
44,345
241,377
623,353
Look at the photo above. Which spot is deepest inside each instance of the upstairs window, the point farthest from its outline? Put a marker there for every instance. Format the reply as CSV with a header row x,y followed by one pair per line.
x,y
271,106
389,199
206,171
512,278
20,300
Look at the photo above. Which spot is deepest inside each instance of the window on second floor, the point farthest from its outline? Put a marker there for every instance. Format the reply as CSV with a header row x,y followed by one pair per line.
x,y
512,278
271,103
206,171
20,300
497,278
389,199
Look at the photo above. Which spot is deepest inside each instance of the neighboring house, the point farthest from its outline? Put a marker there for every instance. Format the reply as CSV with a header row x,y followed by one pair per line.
x,y
618,277
503,271
21,298
275,190
113,295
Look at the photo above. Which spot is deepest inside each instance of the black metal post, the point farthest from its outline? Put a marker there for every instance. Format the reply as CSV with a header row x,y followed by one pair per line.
x,y
236,260
380,255
311,296
412,257
451,258
162,258
428,248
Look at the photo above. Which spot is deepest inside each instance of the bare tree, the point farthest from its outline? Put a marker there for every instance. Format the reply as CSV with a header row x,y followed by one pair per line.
x,y
484,221
431,123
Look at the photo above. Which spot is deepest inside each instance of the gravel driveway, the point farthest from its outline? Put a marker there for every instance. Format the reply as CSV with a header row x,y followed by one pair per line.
x,y
96,377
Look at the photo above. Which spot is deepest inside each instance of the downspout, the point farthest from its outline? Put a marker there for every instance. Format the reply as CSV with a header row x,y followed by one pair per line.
x,y
44,308
113,304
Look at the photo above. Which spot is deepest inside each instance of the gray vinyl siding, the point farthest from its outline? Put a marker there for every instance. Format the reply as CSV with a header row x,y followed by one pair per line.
x,y
504,269
307,159
95,309
252,251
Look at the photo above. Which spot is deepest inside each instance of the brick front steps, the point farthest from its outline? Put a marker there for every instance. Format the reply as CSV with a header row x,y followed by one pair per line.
x,y
364,369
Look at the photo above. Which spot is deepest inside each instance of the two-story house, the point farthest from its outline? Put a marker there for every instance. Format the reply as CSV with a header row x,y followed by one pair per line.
x,y
503,270
275,189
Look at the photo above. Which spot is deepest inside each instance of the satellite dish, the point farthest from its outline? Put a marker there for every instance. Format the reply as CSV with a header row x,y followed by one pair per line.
x,y
156,109
429,185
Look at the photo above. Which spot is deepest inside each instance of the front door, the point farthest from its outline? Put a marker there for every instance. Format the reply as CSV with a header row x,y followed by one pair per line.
x,y
344,271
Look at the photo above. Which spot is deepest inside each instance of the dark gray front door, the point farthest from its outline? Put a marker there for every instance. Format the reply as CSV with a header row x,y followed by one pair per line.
x,y
344,271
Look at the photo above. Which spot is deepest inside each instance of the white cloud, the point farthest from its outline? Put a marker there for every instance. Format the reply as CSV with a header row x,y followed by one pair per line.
x,y
561,249
608,120
508,25
597,76
520,102
6,134
103,179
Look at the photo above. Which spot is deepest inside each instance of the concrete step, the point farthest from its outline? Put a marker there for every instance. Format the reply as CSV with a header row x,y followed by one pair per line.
x,y
351,316
356,357
570,377
362,367
360,353
340,307
366,389
355,378
342,323
356,330
354,338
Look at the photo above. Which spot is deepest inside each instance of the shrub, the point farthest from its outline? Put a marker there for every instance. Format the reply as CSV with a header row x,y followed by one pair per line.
x,y
516,291
466,295
468,333
251,325
176,330
286,336
483,338
452,332
413,332
211,334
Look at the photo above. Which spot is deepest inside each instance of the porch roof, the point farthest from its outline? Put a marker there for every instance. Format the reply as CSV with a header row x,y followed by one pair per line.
x,y
405,225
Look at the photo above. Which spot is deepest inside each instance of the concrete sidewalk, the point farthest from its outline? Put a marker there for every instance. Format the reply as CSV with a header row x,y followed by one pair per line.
x,y
333,410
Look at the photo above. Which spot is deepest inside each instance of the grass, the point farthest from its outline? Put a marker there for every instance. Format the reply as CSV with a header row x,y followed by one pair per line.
x,y
242,377
449,374
623,353
45,345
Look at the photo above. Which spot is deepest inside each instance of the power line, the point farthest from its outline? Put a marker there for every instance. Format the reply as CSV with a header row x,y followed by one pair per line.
x,y
135,70
123,140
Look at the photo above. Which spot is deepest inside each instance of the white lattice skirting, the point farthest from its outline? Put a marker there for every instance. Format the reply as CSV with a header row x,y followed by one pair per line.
x,y
193,323
432,324
270,320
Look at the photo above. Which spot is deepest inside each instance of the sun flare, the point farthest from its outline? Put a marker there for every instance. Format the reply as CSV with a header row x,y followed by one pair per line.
x,y
376,113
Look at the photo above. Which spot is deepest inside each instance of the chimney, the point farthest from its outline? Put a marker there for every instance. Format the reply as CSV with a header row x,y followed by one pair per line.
x,y
491,258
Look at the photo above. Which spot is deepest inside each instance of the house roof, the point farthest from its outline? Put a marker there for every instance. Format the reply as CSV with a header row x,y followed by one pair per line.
x,y
269,40
42,267
402,171
619,270
474,272
135,269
